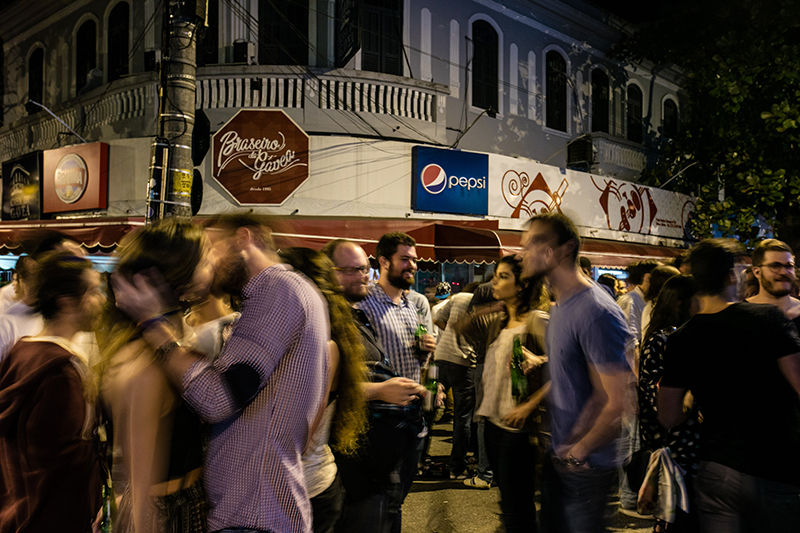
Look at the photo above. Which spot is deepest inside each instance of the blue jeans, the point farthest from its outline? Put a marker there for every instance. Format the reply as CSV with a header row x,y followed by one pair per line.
x,y
513,460
628,444
484,470
327,506
401,480
575,501
728,501
461,379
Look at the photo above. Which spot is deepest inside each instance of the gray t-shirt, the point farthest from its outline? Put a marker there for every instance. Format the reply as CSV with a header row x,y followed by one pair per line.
x,y
589,328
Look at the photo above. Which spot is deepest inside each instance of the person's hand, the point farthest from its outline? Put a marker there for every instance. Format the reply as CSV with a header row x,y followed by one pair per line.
x,y
400,391
531,361
516,417
144,298
440,396
427,343
688,402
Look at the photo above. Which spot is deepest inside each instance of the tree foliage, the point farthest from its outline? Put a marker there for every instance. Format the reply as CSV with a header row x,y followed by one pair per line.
x,y
741,59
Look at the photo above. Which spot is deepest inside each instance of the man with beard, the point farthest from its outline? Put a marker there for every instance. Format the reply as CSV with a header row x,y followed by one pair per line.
x,y
773,266
395,319
741,362
367,475
591,379
262,393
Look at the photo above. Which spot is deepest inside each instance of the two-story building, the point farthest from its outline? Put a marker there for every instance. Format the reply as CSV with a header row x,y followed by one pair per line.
x,y
453,121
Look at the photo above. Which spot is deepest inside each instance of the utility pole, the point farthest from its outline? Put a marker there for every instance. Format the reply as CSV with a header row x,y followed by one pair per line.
x,y
171,169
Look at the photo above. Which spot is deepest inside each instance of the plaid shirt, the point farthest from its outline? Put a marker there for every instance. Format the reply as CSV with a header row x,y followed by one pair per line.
x,y
395,325
253,474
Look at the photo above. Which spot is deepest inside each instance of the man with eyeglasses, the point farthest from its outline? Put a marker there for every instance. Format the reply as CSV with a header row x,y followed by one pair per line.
x,y
773,266
368,475
741,361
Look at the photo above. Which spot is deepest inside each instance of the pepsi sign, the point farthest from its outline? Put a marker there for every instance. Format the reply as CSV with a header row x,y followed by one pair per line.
x,y
449,181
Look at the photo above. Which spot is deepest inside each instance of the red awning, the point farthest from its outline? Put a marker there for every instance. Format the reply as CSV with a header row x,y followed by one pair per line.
x,y
618,255
98,235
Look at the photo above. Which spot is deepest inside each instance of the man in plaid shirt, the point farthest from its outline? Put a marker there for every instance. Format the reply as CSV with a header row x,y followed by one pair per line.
x,y
261,395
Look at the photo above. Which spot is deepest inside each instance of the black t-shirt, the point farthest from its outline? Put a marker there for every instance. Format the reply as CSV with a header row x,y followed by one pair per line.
x,y
729,360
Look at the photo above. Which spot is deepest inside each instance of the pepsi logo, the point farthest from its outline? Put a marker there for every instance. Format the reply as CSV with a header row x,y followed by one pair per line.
x,y
433,178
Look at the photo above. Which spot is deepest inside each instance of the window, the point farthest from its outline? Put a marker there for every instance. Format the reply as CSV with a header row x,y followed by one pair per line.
x,y
670,119
36,80
600,95
634,109
556,91
85,53
484,66
283,32
208,37
381,36
118,51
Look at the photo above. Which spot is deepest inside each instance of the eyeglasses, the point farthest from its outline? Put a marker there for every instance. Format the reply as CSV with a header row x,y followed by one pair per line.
x,y
352,271
777,267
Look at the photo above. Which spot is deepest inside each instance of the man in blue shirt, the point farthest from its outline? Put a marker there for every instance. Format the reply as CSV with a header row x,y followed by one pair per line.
x,y
591,378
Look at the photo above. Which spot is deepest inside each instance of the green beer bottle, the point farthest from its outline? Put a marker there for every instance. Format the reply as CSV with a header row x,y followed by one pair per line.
x,y
519,382
109,509
432,386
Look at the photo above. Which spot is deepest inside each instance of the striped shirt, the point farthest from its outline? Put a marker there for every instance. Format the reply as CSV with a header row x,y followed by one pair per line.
x,y
395,325
253,473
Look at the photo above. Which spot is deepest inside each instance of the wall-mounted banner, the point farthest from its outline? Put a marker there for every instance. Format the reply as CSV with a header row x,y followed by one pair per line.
x,y
260,156
21,189
521,189
449,181
75,178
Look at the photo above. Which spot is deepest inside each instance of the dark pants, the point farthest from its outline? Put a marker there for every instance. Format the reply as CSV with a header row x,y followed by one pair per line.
x,y
513,460
728,501
327,506
461,379
400,485
575,501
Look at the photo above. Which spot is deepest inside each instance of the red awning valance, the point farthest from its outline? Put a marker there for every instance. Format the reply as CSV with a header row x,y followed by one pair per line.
x,y
98,235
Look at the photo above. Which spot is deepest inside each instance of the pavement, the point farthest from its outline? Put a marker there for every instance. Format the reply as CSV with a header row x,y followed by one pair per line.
x,y
438,505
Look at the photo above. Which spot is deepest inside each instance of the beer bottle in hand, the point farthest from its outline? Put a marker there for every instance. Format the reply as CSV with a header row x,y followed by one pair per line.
x,y
432,386
519,382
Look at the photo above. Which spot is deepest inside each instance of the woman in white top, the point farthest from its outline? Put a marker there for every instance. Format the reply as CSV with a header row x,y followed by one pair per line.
x,y
519,311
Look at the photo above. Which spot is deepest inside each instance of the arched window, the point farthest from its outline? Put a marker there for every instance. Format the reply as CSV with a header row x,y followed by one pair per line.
x,y
670,118
634,108
556,91
283,33
600,99
484,66
85,53
118,52
36,80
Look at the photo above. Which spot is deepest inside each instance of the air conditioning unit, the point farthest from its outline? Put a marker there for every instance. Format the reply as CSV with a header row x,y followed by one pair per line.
x,y
580,153
244,52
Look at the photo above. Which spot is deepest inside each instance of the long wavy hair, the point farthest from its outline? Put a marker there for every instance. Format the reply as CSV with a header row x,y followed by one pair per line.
x,y
174,249
673,306
350,419
532,292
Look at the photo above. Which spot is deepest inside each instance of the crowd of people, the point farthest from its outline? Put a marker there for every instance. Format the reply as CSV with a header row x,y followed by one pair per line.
x,y
218,384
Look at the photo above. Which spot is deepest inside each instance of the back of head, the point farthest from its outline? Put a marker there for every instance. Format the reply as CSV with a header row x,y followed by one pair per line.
x,y
59,275
768,245
609,280
563,228
674,304
711,262
658,277
315,265
174,248
48,240
387,245
637,270
25,268
262,236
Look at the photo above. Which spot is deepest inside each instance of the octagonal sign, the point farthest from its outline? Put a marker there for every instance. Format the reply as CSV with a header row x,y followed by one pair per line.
x,y
260,156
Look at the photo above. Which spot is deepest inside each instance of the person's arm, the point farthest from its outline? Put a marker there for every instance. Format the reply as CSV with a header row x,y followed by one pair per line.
x,y
397,391
610,400
790,368
518,415
671,410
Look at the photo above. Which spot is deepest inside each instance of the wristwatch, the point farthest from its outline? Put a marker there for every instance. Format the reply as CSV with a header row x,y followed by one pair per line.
x,y
161,353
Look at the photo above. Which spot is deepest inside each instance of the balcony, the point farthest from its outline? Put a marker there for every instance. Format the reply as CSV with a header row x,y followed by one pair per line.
x,y
606,155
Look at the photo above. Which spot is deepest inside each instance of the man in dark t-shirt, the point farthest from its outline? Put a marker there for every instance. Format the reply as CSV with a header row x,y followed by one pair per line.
x,y
742,363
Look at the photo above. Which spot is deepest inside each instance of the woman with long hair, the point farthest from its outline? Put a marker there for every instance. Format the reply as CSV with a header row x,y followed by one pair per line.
x,y
342,419
520,311
160,437
676,303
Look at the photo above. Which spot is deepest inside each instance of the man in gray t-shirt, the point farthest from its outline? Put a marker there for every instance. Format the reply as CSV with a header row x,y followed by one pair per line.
x,y
590,376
